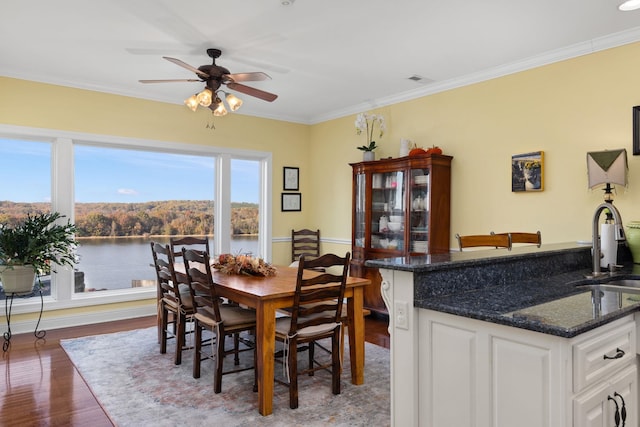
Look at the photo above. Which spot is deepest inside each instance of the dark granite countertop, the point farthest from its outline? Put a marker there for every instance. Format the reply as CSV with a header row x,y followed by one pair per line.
x,y
531,288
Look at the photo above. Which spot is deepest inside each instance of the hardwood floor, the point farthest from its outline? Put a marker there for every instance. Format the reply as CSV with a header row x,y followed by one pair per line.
x,y
43,388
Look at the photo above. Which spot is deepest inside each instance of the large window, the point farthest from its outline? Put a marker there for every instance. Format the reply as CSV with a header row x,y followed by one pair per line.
x,y
124,199
122,194
25,177
245,208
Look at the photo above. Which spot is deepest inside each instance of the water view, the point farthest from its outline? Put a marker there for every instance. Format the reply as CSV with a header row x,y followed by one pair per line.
x,y
113,263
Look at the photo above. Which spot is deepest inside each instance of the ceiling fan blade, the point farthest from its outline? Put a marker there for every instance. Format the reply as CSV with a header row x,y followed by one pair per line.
x,y
266,96
187,66
249,77
170,81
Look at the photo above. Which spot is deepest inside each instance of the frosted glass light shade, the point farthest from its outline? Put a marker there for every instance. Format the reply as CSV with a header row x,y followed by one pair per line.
x,y
234,102
220,110
205,97
192,102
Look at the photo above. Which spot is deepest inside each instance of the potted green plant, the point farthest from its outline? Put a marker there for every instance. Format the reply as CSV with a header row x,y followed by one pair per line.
x,y
365,123
32,247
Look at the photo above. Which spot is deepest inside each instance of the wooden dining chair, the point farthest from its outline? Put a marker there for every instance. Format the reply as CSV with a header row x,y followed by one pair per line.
x,y
521,237
316,314
220,319
199,244
305,242
176,244
174,300
488,240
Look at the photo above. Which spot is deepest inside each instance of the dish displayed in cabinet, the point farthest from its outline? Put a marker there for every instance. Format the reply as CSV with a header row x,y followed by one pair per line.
x,y
420,246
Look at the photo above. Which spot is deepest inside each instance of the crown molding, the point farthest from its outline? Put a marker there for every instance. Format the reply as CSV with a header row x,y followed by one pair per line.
x,y
550,57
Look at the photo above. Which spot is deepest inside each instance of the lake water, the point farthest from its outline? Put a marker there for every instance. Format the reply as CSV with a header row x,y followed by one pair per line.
x,y
112,263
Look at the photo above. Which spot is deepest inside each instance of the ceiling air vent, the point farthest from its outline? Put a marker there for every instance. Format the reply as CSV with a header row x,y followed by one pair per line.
x,y
419,79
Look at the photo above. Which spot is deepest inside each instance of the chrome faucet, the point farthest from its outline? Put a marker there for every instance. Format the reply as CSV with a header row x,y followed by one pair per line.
x,y
619,233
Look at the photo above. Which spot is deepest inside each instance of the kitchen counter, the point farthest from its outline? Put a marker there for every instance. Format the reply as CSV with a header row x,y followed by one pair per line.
x,y
528,287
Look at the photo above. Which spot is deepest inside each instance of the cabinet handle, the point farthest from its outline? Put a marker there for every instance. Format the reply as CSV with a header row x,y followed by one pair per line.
x,y
617,415
618,355
623,410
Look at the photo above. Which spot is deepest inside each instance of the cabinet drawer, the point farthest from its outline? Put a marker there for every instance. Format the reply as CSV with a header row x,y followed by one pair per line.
x,y
601,355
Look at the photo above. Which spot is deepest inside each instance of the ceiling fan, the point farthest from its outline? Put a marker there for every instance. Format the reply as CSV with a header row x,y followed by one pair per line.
x,y
215,76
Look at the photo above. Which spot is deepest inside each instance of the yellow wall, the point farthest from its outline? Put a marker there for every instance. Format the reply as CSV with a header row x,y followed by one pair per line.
x,y
564,109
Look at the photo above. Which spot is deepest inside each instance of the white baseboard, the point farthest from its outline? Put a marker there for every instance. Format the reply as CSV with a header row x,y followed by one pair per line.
x,y
49,322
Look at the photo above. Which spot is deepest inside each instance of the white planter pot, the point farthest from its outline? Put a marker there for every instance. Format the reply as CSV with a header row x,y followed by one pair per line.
x,y
369,156
17,279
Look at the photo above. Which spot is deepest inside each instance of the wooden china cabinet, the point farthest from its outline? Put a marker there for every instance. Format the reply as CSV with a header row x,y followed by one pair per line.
x,y
401,207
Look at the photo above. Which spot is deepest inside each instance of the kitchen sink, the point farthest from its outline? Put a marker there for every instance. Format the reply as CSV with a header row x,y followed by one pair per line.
x,y
612,284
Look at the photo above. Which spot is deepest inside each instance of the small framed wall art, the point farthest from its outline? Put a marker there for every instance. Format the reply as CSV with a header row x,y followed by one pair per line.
x,y
291,202
527,172
291,179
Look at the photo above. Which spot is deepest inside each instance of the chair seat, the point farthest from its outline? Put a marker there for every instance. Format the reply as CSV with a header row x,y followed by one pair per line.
x,y
234,316
283,326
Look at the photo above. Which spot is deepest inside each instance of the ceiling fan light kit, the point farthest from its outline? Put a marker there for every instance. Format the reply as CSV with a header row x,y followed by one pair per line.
x,y
215,76
629,5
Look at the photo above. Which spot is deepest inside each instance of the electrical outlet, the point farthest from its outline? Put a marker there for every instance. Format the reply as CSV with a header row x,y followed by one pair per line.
x,y
401,315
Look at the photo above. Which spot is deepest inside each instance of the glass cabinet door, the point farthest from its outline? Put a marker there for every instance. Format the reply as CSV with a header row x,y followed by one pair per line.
x,y
419,232
361,206
388,210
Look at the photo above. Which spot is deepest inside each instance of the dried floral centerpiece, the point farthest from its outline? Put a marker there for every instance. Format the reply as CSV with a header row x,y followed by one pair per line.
x,y
243,264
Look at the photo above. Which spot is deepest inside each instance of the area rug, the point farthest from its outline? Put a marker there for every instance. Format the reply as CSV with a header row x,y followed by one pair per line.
x,y
138,386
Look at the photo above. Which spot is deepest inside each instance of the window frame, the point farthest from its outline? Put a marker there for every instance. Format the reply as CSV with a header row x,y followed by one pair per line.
x,y
62,200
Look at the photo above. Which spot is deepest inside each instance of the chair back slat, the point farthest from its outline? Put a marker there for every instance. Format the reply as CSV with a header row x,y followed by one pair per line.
x,y
188,242
489,240
305,242
523,237
319,296
200,281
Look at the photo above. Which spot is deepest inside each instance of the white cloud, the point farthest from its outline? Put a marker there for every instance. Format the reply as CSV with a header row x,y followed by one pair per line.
x,y
127,191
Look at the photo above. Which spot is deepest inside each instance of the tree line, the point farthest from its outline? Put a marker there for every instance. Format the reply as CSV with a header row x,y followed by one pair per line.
x,y
171,217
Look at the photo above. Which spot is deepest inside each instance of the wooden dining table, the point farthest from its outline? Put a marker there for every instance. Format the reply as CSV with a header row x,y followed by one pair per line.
x,y
266,295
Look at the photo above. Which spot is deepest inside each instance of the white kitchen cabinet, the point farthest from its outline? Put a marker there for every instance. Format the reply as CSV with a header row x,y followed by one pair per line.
x,y
597,406
605,378
475,373
480,374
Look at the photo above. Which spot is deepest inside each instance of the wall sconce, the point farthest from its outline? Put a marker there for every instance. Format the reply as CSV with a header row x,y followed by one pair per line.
x,y
606,168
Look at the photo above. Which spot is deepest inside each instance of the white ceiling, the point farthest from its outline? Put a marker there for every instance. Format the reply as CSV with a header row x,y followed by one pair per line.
x,y
327,58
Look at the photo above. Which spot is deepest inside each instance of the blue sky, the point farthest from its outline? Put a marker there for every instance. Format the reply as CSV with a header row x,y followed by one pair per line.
x,y
114,175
